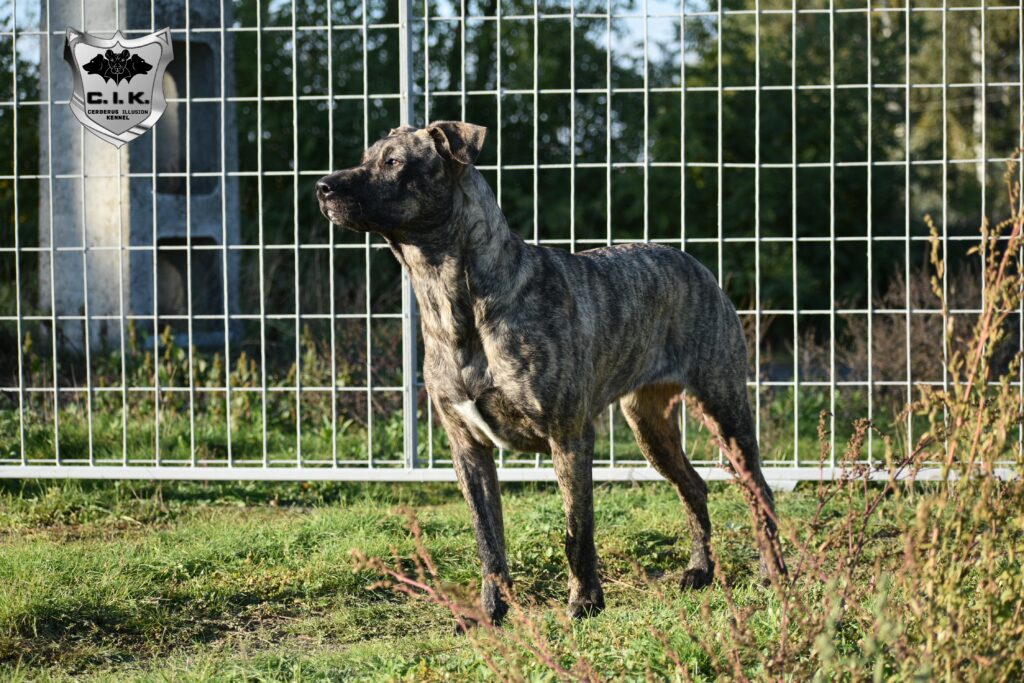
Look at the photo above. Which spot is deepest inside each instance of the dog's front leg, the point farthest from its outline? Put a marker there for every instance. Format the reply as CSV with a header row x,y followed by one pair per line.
x,y
573,459
478,479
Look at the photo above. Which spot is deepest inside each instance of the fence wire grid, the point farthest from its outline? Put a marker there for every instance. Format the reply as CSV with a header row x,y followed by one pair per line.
x,y
178,308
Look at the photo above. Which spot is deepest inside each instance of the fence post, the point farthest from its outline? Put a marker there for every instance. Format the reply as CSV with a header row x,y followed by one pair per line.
x,y
409,313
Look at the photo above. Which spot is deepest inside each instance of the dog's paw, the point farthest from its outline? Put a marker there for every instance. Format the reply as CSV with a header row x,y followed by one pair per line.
x,y
695,578
464,625
765,570
588,605
467,624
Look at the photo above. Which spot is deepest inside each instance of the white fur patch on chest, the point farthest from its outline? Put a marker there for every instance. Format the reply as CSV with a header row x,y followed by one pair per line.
x,y
470,413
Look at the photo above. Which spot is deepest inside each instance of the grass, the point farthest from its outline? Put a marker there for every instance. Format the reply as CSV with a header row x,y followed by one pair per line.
x,y
892,580
319,437
143,422
122,581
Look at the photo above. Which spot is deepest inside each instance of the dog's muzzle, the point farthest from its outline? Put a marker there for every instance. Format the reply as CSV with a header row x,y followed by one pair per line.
x,y
331,192
328,188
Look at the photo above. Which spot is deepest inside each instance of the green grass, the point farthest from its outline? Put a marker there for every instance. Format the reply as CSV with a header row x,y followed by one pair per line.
x,y
319,438
110,423
192,581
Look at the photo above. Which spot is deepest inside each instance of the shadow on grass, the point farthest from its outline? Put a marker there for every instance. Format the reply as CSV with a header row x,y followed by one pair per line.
x,y
43,502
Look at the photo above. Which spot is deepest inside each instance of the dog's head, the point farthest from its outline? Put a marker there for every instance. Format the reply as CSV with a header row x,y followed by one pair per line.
x,y
405,182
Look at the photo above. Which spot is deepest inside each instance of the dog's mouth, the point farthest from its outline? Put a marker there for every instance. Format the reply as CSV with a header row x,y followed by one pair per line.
x,y
342,212
332,212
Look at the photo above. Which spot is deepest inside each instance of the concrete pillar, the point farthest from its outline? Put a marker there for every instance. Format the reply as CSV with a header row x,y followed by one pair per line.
x,y
107,212
89,212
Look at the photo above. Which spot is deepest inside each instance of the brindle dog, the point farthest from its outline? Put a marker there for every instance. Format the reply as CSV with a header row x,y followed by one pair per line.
x,y
526,345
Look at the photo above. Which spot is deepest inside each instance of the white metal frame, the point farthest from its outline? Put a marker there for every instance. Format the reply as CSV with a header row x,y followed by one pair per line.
x,y
415,95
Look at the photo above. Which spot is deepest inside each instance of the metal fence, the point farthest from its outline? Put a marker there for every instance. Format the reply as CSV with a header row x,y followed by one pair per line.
x,y
794,147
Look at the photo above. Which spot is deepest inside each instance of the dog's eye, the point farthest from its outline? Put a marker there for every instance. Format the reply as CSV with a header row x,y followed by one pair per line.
x,y
392,162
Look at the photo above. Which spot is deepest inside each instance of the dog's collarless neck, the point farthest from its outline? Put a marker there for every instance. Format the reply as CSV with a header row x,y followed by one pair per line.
x,y
475,245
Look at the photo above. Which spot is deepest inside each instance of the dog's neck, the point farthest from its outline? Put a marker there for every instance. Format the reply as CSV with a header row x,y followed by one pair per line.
x,y
458,267
475,241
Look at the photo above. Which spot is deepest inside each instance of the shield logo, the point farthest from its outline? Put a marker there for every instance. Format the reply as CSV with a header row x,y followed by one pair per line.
x,y
119,83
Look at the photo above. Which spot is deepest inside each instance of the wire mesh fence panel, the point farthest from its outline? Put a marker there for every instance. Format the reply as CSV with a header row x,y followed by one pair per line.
x,y
179,308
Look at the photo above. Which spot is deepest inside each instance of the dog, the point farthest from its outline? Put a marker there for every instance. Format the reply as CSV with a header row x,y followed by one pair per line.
x,y
524,346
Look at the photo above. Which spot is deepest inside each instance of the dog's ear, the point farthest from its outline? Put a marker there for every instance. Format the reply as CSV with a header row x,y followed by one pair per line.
x,y
457,141
401,129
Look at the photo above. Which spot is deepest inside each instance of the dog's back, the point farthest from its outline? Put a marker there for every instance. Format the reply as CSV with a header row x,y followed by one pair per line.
x,y
598,324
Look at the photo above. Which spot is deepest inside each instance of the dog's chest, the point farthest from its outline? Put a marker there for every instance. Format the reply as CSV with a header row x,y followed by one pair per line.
x,y
482,398
493,418
471,416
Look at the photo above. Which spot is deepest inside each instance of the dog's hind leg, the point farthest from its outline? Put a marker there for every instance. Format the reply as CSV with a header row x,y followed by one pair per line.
x,y
573,460
723,393
653,417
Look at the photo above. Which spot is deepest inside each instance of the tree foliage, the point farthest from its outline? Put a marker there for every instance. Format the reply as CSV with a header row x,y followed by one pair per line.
x,y
570,124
